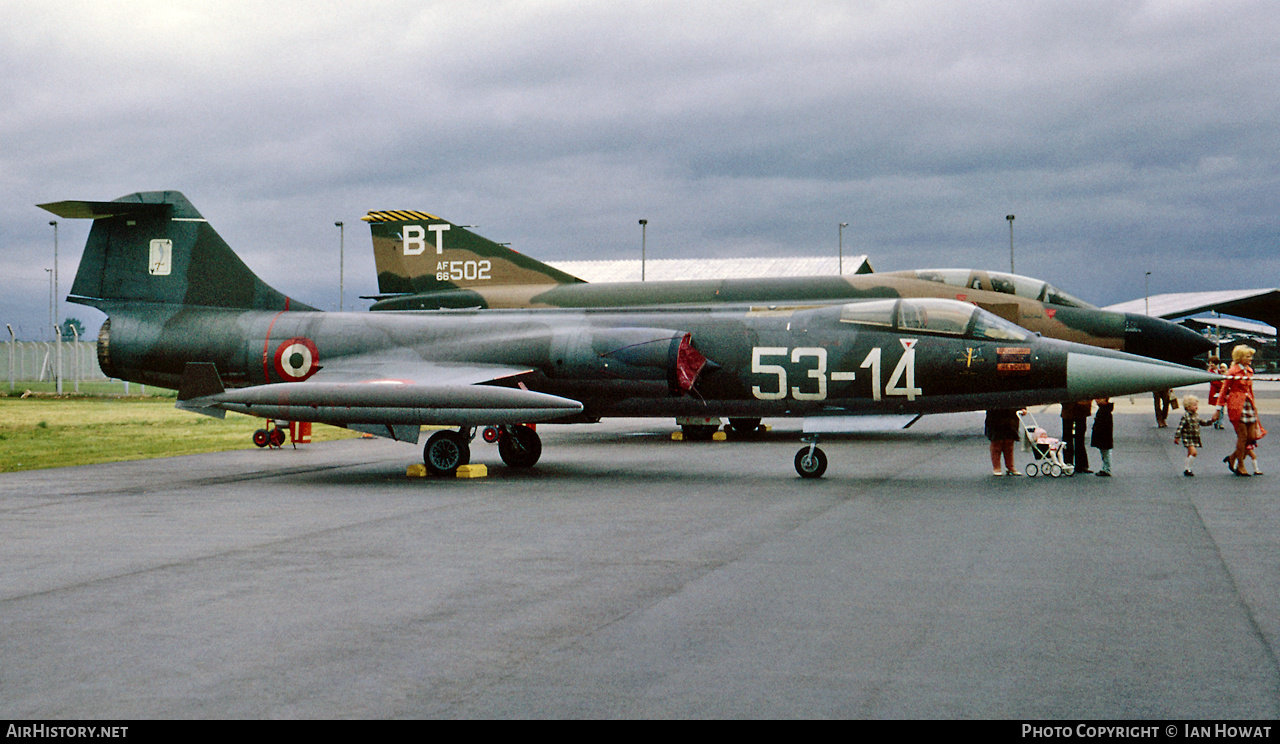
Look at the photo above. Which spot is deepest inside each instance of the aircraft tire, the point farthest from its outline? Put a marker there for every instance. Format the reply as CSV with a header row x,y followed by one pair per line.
x,y
277,437
744,425
520,447
811,466
446,451
261,437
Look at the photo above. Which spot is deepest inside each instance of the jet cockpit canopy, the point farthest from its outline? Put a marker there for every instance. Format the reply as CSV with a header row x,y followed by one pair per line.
x,y
996,281
933,315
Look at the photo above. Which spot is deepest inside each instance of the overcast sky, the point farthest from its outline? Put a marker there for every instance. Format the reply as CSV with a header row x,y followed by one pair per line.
x,y
1125,136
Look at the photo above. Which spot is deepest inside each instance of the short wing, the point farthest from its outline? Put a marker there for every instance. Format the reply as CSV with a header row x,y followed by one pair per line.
x,y
383,396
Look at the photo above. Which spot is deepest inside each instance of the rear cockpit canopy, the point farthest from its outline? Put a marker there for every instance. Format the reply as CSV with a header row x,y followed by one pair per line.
x,y
931,315
995,281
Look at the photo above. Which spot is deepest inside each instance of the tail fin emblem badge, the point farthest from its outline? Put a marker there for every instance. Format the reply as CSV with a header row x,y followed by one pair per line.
x,y
160,262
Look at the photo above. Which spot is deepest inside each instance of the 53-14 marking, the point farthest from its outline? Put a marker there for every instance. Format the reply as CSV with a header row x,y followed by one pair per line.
x,y
813,383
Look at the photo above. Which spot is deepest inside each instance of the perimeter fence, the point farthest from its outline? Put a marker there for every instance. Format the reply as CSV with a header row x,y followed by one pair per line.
x,y
29,363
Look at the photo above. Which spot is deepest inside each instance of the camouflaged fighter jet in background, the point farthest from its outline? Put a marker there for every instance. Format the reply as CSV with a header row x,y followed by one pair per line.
x,y
426,263
184,311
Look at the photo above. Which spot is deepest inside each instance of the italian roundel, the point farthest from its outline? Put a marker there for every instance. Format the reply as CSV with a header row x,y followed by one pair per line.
x,y
297,359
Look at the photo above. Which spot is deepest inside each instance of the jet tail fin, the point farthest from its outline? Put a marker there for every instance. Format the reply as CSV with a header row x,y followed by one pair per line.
x,y
416,252
154,246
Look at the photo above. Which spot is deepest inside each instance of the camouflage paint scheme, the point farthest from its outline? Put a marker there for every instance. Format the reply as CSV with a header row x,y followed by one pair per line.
x,y
184,312
427,263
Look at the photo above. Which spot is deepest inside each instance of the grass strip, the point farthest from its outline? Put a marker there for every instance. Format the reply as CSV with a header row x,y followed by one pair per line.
x,y
38,433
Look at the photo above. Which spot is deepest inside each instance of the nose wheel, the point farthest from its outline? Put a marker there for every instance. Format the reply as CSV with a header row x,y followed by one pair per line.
x,y
811,462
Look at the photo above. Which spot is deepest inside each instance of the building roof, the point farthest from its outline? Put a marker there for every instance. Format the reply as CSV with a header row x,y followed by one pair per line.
x,y
670,269
1230,325
1256,304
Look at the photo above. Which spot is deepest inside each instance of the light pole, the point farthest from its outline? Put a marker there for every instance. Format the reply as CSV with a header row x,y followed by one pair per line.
x,y
1010,218
341,251
644,226
57,330
840,264
50,273
1146,293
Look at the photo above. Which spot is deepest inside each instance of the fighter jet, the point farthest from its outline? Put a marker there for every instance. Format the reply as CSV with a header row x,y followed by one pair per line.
x,y
184,311
425,262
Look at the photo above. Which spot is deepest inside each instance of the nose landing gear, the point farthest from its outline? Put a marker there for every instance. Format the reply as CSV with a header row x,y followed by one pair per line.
x,y
811,462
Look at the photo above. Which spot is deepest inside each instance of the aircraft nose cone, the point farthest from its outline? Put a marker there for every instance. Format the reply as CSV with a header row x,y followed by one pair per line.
x,y
1161,339
1098,373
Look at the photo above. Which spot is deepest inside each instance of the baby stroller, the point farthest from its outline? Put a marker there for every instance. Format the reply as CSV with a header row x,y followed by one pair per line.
x,y
1046,450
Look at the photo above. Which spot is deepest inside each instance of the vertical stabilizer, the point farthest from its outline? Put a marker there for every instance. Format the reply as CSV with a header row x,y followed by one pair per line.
x,y
154,246
416,252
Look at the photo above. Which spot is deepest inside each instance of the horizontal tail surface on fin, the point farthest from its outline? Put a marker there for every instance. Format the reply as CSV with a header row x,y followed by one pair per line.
x,y
154,246
95,210
418,252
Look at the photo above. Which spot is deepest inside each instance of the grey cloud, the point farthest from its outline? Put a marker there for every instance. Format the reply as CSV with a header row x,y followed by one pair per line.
x,y
1126,136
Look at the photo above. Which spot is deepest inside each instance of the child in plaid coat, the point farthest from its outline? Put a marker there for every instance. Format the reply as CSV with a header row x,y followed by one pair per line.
x,y
1188,433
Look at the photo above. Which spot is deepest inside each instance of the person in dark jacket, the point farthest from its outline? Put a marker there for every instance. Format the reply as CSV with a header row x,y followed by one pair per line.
x,y
1075,424
1002,429
1163,402
1103,434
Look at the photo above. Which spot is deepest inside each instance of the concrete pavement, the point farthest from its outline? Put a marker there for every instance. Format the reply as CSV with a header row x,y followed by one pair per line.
x,y
631,576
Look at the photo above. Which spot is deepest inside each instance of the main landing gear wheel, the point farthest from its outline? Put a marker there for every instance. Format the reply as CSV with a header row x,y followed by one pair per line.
x,y
520,446
272,436
744,425
699,432
446,451
811,462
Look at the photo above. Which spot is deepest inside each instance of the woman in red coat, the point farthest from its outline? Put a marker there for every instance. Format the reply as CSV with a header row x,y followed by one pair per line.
x,y
1237,396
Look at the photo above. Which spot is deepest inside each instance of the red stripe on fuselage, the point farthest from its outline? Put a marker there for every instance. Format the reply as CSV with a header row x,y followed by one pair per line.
x,y
266,344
